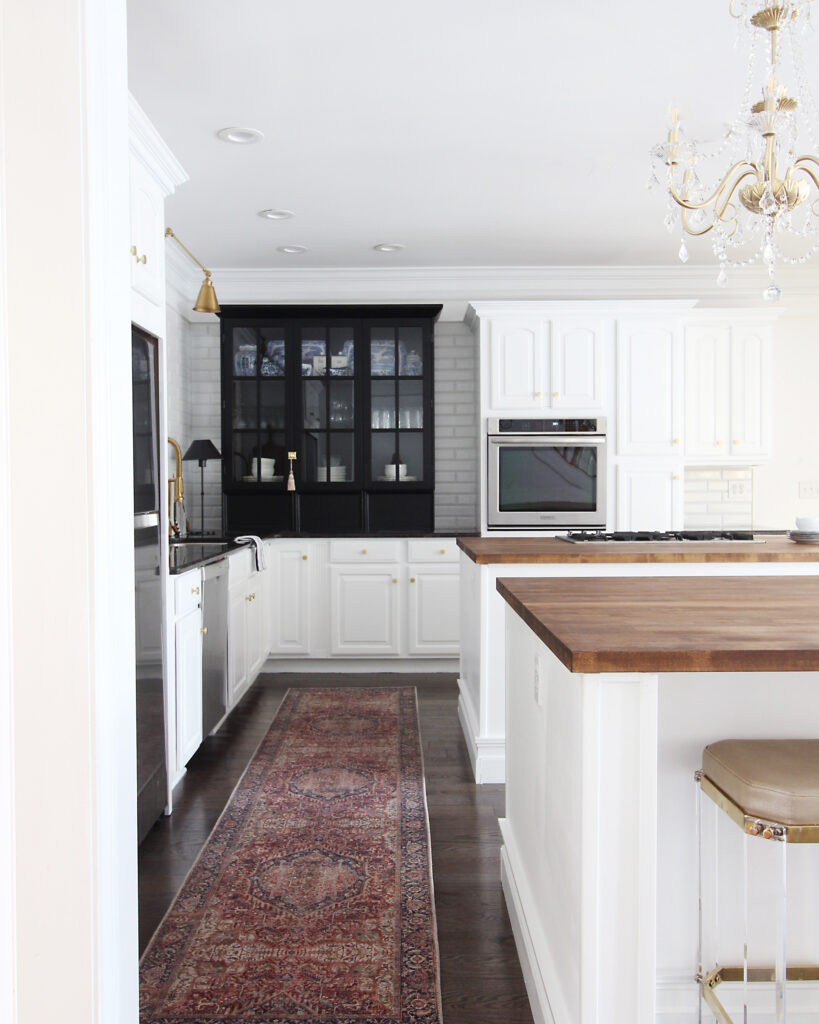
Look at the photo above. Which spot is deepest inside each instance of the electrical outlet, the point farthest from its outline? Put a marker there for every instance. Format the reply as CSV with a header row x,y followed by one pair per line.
x,y
809,488
739,490
539,682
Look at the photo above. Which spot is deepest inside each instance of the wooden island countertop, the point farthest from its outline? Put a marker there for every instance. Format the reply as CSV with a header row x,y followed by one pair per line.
x,y
673,624
544,550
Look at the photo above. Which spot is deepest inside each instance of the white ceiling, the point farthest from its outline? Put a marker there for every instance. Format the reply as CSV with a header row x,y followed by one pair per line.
x,y
476,132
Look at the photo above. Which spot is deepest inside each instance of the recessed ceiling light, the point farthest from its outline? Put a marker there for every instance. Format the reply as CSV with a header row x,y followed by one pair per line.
x,y
292,250
241,136
276,214
389,247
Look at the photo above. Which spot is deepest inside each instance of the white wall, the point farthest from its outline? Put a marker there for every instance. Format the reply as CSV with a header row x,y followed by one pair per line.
x,y
795,397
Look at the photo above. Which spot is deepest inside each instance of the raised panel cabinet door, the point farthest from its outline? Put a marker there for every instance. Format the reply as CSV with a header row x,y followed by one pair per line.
x,y
147,234
518,364
254,622
364,609
649,388
707,391
433,610
188,638
237,641
750,392
290,601
649,496
577,364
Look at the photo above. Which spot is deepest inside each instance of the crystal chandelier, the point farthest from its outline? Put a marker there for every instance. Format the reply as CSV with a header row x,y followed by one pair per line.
x,y
765,206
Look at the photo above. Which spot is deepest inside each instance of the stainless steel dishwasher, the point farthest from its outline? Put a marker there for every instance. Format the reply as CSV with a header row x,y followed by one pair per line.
x,y
214,643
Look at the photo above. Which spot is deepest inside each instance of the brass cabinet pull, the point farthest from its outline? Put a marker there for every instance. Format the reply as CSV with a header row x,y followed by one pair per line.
x,y
736,441
194,590
140,259
204,630
538,394
719,442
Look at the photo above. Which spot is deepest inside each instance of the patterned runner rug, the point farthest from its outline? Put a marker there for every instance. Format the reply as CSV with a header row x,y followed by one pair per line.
x,y
311,902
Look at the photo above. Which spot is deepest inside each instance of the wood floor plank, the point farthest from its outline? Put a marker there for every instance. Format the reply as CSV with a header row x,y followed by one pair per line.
x,y
481,980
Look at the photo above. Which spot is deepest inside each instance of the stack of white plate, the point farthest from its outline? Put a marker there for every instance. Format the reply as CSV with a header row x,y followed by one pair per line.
x,y
337,473
804,536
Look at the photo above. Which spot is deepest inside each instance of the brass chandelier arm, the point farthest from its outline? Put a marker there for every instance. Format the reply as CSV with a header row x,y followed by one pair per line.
x,y
169,232
813,175
680,201
693,231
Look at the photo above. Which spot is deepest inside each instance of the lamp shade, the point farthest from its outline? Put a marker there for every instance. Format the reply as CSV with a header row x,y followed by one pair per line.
x,y
201,451
206,300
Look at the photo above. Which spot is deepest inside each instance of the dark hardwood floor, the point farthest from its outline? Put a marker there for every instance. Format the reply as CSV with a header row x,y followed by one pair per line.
x,y
481,980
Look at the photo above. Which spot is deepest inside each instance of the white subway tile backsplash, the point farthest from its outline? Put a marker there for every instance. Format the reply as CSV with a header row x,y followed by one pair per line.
x,y
707,503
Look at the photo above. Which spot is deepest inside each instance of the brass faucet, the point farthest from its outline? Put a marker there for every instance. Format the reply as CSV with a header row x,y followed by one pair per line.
x,y
176,495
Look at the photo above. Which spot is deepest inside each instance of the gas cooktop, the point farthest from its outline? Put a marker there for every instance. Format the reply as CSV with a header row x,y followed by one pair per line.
x,y
641,536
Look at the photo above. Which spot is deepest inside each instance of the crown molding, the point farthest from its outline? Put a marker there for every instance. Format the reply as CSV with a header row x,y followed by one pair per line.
x,y
148,146
456,287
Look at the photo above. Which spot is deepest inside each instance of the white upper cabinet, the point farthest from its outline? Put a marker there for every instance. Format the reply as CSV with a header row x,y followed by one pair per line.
x,y
649,388
750,391
577,364
726,392
518,364
649,495
707,418
154,174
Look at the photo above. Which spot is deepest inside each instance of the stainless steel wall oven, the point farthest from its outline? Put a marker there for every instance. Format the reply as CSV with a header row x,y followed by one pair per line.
x,y
545,473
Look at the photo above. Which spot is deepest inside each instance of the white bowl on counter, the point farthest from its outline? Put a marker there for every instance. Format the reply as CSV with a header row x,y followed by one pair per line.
x,y
389,471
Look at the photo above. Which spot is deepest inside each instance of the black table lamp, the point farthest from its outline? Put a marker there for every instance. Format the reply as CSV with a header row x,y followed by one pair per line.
x,y
201,451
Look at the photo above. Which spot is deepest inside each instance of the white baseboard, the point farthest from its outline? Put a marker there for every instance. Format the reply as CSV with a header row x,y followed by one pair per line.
x,y
534,962
363,665
487,754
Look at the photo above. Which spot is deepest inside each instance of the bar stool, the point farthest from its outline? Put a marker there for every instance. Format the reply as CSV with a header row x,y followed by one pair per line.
x,y
770,788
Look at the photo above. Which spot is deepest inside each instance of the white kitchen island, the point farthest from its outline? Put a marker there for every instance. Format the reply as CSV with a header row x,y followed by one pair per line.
x,y
613,689
481,704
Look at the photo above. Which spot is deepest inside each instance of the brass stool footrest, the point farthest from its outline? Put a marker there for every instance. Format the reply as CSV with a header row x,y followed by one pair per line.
x,y
708,982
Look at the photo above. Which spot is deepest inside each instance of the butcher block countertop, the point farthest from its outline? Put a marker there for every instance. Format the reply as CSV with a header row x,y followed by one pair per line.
x,y
533,550
673,624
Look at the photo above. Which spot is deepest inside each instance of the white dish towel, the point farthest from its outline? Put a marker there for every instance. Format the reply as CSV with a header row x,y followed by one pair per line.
x,y
258,544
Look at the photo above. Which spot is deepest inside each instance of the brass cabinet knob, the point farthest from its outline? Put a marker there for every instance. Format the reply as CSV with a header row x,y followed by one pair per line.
x,y
719,442
675,440
736,441
555,394
363,551
248,597
443,551
676,476
304,558
394,580
538,394
140,259
412,579
204,630
194,590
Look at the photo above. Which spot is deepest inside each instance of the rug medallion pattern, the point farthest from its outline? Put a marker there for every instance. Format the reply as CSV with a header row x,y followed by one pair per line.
x,y
311,902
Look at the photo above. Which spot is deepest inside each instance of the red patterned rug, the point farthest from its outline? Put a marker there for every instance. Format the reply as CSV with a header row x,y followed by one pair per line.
x,y
311,902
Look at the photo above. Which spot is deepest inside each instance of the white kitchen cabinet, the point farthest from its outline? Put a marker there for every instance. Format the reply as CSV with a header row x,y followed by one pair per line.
x,y
577,363
364,609
290,597
154,175
433,610
707,385
649,388
650,495
750,391
726,392
519,364
248,622
188,638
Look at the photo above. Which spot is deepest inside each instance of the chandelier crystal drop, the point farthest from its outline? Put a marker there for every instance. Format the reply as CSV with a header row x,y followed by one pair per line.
x,y
764,207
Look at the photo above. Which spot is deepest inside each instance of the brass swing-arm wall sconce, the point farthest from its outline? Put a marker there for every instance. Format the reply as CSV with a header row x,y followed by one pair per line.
x,y
206,300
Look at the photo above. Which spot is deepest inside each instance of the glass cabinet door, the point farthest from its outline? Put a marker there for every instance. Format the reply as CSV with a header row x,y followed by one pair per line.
x,y
259,401
328,404
397,404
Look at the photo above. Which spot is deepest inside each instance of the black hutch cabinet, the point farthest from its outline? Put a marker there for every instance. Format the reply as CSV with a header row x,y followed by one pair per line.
x,y
344,395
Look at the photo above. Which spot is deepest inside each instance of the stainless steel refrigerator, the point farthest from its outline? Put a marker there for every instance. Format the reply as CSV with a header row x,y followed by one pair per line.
x,y
150,688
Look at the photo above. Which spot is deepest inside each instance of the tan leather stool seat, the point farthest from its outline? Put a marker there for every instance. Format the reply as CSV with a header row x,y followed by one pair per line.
x,y
776,780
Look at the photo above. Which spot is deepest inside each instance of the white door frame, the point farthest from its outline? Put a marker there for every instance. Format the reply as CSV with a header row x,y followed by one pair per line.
x,y
64,254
